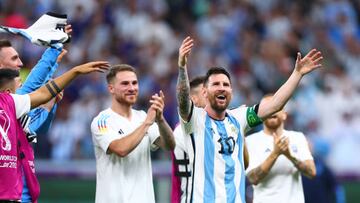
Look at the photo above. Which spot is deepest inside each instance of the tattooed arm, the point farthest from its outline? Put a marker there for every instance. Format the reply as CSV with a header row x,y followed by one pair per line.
x,y
183,86
280,146
306,167
257,174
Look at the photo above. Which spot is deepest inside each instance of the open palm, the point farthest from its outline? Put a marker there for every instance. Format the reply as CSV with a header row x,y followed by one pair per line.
x,y
99,66
309,63
184,51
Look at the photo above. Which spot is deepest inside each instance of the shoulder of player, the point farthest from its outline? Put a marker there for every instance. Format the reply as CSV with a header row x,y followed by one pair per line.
x,y
254,137
238,108
138,113
103,115
294,134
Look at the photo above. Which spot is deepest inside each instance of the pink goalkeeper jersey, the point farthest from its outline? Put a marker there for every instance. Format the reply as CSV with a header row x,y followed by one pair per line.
x,y
15,152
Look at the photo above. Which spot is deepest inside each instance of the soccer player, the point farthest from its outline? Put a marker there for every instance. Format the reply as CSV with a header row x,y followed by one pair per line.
x,y
123,138
277,159
16,155
38,120
217,134
182,170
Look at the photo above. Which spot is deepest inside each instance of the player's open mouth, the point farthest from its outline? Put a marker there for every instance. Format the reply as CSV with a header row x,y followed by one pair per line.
x,y
221,97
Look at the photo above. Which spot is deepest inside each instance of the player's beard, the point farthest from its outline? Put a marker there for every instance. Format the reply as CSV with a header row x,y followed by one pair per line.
x,y
273,122
217,106
127,100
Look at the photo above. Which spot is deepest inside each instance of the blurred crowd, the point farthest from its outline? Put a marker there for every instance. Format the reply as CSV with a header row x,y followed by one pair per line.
x,y
256,40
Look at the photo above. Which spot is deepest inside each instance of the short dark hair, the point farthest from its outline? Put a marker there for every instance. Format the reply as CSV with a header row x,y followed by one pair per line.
x,y
118,68
5,43
7,75
197,81
214,71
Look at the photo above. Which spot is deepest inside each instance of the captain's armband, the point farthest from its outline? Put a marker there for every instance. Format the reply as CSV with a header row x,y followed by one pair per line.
x,y
251,116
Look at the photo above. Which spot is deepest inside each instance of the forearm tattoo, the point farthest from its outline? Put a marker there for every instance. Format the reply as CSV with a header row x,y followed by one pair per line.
x,y
303,167
166,134
183,92
256,175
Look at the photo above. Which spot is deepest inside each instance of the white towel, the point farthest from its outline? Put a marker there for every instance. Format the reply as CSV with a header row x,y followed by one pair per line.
x,y
48,30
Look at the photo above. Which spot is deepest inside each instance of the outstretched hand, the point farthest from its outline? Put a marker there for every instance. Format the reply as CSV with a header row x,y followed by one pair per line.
x,y
309,63
184,51
99,66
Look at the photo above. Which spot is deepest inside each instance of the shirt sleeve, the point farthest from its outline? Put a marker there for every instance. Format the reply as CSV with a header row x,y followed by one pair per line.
x,y
247,116
41,72
41,119
179,138
102,133
188,126
304,151
22,104
153,133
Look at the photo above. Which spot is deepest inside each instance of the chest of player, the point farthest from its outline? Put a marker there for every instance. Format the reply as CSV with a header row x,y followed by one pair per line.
x,y
282,164
224,137
123,127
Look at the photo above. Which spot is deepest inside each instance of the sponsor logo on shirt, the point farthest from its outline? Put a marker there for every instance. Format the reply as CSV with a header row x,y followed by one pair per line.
x,y
121,132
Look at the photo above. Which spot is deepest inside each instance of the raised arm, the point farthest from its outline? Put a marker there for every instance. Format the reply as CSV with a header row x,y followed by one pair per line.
x,y
44,69
303,66
183,85
52,88
166,140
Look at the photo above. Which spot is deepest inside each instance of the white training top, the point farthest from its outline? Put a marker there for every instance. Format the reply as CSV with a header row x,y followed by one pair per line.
x,y
283,182
216,154
182,161
127,179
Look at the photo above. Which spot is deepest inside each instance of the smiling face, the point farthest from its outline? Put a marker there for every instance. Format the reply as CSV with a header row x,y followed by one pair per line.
x,y
218,92
124,87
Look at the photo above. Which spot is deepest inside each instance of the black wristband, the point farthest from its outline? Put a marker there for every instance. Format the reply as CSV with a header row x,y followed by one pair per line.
x,y
55,86
53,94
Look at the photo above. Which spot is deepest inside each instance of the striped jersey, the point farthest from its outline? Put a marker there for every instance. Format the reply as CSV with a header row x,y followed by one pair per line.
x,y
215,150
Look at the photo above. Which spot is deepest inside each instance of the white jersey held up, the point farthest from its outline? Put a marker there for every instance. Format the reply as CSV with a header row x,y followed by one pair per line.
x,y
127,179
283,182
216,154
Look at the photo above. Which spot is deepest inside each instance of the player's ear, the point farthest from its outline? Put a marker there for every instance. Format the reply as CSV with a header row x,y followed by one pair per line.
x,y
284,115
111,88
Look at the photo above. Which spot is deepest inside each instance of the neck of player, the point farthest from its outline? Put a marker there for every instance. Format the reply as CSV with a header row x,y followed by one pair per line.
x,y
217,115
270,131
123,110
